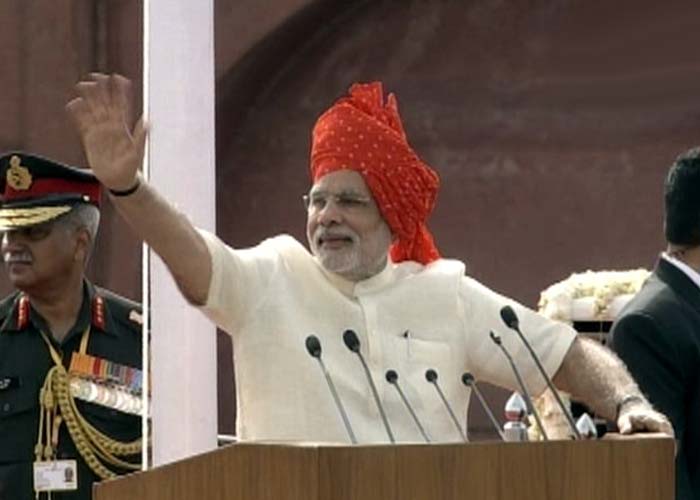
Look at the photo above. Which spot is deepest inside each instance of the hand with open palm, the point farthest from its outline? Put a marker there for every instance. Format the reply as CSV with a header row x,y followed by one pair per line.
x,y
102,114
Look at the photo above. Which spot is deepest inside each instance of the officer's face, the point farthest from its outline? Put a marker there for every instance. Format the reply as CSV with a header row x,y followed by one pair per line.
x,y
42,256
345,229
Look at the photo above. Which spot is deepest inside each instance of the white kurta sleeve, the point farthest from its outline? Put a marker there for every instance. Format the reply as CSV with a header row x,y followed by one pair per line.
x,y
239,281
550,339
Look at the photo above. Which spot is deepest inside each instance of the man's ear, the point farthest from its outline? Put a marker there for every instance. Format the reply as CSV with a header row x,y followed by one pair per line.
x,y
83,244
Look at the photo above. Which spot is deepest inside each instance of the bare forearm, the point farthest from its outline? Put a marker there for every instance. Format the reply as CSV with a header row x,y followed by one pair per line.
x,y
171,235
115,152
594,375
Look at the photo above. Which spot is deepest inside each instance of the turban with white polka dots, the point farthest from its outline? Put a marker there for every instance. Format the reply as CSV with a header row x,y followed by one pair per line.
x,y
360,132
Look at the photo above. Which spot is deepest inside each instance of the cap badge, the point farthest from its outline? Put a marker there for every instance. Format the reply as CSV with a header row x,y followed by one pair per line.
x,y
18,177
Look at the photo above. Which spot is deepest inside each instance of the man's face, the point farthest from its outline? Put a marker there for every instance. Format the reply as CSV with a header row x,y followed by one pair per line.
x,y
345,230
41,256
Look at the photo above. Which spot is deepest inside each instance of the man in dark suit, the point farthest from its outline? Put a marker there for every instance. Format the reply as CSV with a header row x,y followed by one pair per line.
x,y
70,352
658,334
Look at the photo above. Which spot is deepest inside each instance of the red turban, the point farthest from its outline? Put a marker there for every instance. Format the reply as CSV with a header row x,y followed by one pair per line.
x,y
362,133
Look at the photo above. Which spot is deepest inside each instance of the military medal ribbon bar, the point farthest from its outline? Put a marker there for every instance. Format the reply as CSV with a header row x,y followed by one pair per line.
x,y
106,383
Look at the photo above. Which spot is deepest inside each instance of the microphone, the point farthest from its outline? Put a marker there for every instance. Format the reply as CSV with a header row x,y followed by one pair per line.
x,y
393,378
526,396
469,380
353,343
313,346
432,377
511,320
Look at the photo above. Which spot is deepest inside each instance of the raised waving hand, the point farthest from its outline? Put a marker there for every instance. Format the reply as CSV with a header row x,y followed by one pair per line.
x,y
102,114
114,150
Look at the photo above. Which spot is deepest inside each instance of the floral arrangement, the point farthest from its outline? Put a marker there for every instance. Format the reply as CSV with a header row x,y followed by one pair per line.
x,y
602,287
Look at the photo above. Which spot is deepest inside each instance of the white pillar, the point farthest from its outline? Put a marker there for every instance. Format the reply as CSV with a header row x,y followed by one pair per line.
x,y
179,107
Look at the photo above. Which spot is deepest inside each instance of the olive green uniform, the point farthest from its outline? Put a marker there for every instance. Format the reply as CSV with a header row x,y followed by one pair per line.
x,y
115,335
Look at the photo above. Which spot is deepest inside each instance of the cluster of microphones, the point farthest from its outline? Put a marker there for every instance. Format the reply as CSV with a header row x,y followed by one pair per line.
x,y
518,408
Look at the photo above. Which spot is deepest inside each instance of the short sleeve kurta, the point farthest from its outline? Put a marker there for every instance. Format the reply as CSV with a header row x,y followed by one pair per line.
x,y
409,318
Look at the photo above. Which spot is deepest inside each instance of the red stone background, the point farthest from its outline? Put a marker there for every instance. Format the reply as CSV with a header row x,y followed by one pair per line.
x,y
551,122
46,46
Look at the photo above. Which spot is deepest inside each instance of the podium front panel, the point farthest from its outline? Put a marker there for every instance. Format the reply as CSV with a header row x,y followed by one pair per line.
x,y
625,469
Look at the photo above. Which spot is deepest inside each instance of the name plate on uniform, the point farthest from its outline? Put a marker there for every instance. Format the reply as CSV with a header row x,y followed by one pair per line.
x,y
57,475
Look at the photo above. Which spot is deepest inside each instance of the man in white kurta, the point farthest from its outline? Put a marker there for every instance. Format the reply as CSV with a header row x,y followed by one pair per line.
x,y
372,266
409,318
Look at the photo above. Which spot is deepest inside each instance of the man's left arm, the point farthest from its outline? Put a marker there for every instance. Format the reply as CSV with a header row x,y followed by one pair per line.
x,y
595,375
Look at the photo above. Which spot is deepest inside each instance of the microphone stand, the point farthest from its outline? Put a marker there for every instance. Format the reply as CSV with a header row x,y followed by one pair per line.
x,y
432,376
352,342
393,378
313,346
526,396
511,320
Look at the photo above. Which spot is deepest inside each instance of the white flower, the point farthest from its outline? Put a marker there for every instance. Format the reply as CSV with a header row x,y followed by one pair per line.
x,y
602,286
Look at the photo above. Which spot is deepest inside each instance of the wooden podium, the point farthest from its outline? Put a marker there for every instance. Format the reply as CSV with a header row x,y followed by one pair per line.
x,y
615,469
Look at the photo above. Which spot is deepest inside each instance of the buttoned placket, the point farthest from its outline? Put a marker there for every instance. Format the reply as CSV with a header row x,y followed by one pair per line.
x,y
372,337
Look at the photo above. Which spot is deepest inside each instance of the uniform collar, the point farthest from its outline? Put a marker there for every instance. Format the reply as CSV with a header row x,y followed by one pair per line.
x,y
93,311
100,316
9,324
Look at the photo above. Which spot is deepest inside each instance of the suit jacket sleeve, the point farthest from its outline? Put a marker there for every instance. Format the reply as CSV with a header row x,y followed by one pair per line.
x,y
655,362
